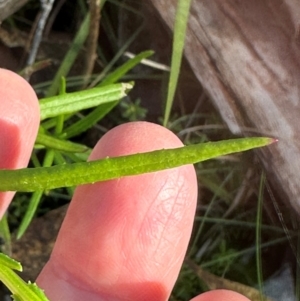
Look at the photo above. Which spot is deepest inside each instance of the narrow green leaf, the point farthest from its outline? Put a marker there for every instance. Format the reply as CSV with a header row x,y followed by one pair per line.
x,y
10,263
35,198
79,157
60,159
34,202
111,168
181,20
63,86
76,101
125,68
5,234
19,288
89,120
70,56
58,144
52,122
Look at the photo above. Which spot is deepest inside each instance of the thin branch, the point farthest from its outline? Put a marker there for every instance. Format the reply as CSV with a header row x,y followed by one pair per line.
x,y
92,42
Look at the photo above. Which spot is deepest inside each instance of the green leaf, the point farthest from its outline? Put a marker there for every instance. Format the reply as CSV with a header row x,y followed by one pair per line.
x,y
89,120
10,263
67,175
35,197
181,20
21,291
125,68
5,235
74,102
58,144
70,57
34,201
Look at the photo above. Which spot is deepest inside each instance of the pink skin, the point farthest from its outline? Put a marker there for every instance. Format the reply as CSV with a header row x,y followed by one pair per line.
x,y
19,121
123,239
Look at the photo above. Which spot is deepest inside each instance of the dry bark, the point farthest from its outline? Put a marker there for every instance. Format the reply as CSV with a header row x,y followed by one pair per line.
x,y
246,54
8,7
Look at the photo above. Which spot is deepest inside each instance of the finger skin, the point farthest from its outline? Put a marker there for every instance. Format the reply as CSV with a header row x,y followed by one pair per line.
x,y
220,295
19,122
125,239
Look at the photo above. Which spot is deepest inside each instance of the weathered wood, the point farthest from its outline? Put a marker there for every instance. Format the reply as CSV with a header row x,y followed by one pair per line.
x,y
8,7
246,54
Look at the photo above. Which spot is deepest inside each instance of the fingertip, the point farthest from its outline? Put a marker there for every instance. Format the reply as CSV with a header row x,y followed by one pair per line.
x,y
135,137
19,122
220,295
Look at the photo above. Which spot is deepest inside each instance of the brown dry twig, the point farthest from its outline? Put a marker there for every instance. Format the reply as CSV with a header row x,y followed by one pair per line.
x,y
92,41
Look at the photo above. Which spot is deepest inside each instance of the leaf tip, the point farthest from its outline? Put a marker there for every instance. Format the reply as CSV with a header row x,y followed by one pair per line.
x,y
273,140
126,87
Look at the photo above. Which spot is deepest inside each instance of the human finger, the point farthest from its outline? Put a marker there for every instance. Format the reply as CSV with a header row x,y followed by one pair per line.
x,y
220,295
125,239
19,122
